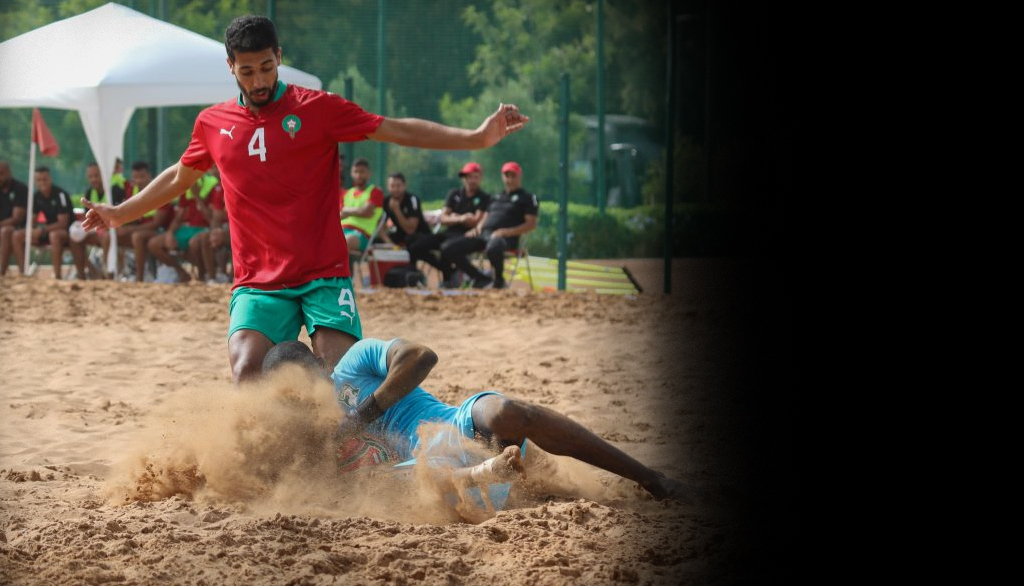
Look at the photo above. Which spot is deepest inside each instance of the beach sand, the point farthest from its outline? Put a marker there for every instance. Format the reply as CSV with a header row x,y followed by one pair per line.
x,y
115,396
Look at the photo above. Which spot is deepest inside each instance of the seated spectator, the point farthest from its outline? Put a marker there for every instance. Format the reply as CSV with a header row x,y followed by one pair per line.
x,y
118,177
406,224
510,214
361,207
153,222
216,242
189,223
95,194
13,205
463,209
53,205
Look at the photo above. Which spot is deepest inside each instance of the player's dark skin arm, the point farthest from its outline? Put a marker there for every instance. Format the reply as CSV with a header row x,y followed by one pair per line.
x,y
171,183
62,220
408,364
363,211
17,218
406,223
450,218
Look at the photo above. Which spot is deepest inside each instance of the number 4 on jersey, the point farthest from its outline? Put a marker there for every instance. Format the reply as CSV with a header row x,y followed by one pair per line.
x,y
257,146
347,303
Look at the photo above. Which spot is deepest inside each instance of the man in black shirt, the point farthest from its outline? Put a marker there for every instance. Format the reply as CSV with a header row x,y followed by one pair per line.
x,y
406,225
13,202
510,214
405,213
54,204
463,209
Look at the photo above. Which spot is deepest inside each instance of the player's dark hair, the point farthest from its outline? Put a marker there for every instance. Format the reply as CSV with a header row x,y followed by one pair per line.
x,y
42,169
361,162
398,176
140,166
290,352
249,34
92,164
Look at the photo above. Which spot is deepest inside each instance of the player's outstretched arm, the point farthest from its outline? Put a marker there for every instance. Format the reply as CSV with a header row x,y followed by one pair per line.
x,y
172,182
415,132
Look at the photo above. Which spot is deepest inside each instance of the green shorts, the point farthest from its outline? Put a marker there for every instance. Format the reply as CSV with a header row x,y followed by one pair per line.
x,y
363,240
279,314
185,233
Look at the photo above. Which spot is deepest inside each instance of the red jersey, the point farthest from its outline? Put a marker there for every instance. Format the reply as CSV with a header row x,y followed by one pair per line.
x,y
279,170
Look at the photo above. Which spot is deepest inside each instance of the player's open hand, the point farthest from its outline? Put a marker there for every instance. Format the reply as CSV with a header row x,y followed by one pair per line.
x,y
98,215
506,120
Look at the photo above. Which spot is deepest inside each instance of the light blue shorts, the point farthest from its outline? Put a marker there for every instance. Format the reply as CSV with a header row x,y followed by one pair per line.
x,y
456,447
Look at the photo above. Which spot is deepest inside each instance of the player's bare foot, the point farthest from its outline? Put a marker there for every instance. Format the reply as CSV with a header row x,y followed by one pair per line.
x,y
506,466
663,487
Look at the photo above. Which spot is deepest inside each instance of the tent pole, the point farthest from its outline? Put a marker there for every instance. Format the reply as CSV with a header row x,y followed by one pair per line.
x,y
31,200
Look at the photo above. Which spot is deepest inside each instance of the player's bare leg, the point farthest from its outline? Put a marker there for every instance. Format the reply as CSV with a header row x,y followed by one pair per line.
x,y
124,240
196,255
58,239
246,350
157,247
6,247
329,345
140,238
18,243
78,254
510,422
206,253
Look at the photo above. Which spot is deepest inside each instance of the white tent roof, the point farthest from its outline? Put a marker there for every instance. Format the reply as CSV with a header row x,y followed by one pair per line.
x,y
109,61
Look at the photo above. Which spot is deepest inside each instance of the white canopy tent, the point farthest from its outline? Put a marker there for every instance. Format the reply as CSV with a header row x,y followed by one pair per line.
x,y
109,61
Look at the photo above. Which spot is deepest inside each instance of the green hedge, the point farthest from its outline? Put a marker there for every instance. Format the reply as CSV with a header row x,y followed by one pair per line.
x,y
698,230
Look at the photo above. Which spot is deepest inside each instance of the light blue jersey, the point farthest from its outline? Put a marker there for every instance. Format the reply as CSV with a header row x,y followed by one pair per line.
x,y
364,368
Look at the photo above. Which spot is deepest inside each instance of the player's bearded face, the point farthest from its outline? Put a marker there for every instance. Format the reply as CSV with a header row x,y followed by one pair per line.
x,y
256,75
259,95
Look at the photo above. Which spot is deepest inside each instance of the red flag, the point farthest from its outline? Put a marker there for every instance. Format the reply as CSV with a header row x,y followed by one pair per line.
x,y
42,136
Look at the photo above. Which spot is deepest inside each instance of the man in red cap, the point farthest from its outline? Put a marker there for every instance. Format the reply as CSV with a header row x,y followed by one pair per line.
x,y
510,214
464,207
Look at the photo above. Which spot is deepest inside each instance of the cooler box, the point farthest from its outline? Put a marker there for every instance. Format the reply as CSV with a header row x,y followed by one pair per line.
x,y
387,257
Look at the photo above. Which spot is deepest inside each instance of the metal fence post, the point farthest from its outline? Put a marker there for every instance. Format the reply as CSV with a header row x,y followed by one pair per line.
x,y
563,183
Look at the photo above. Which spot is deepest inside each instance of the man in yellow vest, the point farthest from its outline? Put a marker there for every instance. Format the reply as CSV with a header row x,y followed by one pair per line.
x,y
361,207
95,194
137,233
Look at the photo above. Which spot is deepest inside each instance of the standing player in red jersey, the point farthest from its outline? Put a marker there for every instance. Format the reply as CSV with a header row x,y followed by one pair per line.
x,y
277,150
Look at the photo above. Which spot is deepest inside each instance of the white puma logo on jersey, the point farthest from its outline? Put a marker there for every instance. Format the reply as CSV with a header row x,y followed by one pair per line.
x,y
228,132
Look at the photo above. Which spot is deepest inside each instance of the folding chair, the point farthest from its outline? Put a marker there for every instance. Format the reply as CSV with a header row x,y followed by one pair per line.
x,y
517,255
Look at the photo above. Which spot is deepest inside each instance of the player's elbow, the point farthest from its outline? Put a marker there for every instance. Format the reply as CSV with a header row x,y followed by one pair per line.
x,y
426,359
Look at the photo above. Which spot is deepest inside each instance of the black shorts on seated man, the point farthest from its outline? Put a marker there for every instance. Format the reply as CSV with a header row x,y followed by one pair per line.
x,y
510,214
